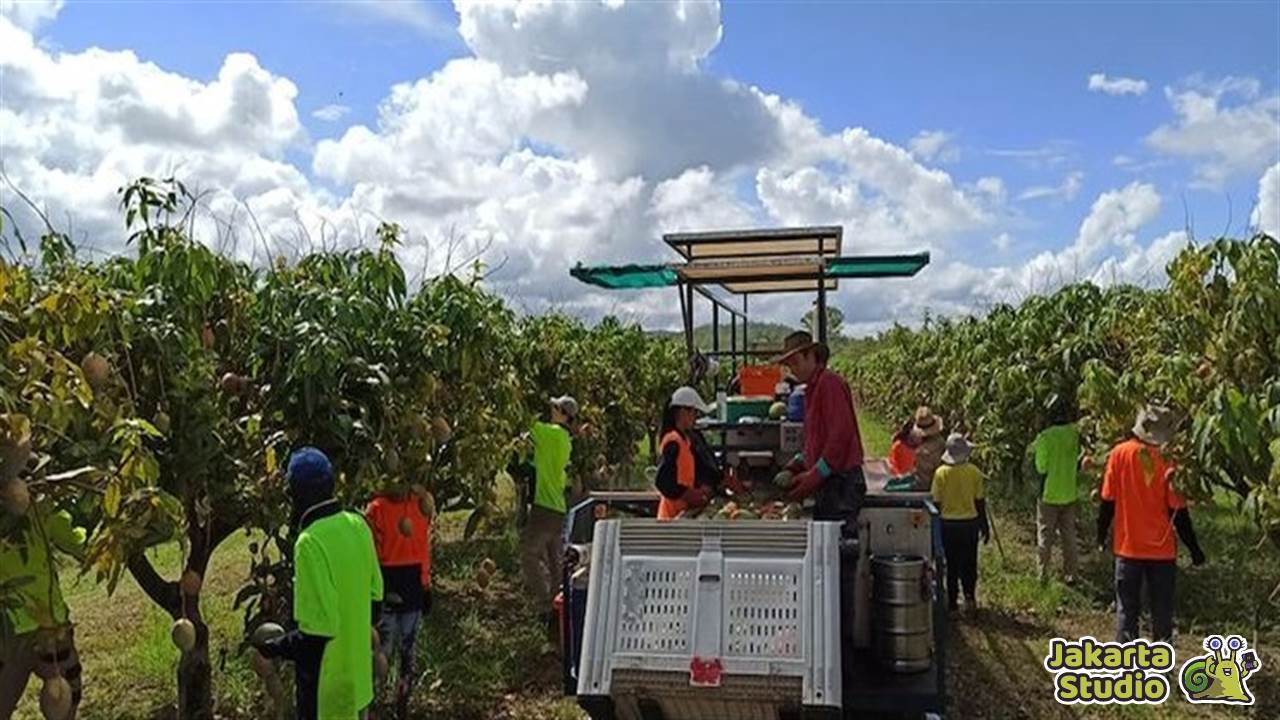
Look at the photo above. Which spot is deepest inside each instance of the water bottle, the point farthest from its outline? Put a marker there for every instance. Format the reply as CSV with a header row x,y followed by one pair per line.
x,y
795,405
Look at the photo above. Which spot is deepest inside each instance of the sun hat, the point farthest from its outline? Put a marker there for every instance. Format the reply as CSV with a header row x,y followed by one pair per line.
x,y
1155,425
958,449
796,342
926,423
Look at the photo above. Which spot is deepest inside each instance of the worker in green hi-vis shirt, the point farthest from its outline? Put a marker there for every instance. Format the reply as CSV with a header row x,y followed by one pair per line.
x,y
36,636
1057,458
541,546
337,596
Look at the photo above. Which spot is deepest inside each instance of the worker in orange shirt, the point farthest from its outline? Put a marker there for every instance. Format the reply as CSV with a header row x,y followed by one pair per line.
x,y
1137,495
402,537
902,453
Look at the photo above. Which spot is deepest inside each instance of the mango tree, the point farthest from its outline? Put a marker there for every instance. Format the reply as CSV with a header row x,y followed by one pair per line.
x,y
1208,345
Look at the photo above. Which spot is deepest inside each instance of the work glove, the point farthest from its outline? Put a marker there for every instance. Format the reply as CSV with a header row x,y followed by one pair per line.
x,y
805,484
1197,557
695,497
796,466
426,601
984,531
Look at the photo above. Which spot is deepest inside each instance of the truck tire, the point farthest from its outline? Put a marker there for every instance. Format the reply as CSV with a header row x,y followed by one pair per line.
x,y
598,707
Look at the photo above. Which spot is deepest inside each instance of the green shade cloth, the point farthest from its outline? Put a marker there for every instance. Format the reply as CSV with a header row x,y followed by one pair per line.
x,y
876,266
635,277
626,277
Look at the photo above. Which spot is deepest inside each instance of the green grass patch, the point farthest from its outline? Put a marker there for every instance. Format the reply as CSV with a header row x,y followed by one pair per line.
x,y
877,437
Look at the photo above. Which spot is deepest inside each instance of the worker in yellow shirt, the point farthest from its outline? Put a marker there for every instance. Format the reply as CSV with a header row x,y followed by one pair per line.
x,y
958,491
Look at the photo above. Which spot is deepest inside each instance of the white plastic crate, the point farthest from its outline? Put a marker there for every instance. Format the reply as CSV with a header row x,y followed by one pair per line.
x,y
713,618
791,437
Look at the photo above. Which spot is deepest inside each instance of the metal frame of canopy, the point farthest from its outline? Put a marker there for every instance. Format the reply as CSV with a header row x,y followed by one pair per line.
x,y
751,262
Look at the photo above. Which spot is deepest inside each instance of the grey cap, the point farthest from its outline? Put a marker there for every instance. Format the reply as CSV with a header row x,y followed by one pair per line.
x,y
567,405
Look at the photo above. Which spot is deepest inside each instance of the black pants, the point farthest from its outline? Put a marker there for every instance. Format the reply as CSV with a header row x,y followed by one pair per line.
x,y
1159,577
840,498
960,545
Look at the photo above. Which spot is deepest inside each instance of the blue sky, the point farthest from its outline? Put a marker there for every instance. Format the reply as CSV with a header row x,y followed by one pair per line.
x,y
1003,87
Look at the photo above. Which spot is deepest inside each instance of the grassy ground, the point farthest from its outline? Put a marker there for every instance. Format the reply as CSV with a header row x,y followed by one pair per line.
x,y
485,656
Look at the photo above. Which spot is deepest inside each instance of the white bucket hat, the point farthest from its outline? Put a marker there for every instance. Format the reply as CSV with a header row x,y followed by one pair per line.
x,y
1156,425
689,398
958,449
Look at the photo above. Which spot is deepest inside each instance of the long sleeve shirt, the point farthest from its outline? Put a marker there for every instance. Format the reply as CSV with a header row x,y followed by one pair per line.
x,y
832,442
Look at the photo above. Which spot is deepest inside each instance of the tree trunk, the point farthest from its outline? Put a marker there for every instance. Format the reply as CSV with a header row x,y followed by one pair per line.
x,y
195,671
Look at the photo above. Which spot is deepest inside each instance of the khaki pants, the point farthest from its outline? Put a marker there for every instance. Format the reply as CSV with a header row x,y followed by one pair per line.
x,y
540,555
1056,521
47,655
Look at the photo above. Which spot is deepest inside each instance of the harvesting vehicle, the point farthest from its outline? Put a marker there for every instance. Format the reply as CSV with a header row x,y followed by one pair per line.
x,y
753,618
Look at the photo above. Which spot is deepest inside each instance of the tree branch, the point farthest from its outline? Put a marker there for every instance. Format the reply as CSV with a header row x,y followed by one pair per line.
x,y
162,592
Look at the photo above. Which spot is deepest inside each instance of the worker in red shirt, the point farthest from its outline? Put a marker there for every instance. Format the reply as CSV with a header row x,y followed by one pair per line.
x,y
402,537
830,468
1147,511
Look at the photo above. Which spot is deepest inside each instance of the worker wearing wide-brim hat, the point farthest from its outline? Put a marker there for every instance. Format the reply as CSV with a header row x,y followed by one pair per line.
x,y
929,430
687,473
829,470
1137,494
958,491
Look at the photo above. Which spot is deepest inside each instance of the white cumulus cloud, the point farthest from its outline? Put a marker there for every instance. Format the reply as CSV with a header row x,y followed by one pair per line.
x,y
1227,127
574,132
30,14
1266,215
331,113
1066,191
930,145
1100,82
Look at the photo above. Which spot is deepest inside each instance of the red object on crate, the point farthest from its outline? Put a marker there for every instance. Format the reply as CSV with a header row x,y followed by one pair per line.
x,y
757,380
705,673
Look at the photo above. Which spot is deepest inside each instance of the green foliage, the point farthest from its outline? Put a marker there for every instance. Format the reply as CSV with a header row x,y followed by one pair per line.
x,y
620,376
835,322
215,371
1208,345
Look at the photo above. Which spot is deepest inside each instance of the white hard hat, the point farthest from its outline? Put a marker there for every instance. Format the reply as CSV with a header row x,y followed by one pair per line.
x,y
688,397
